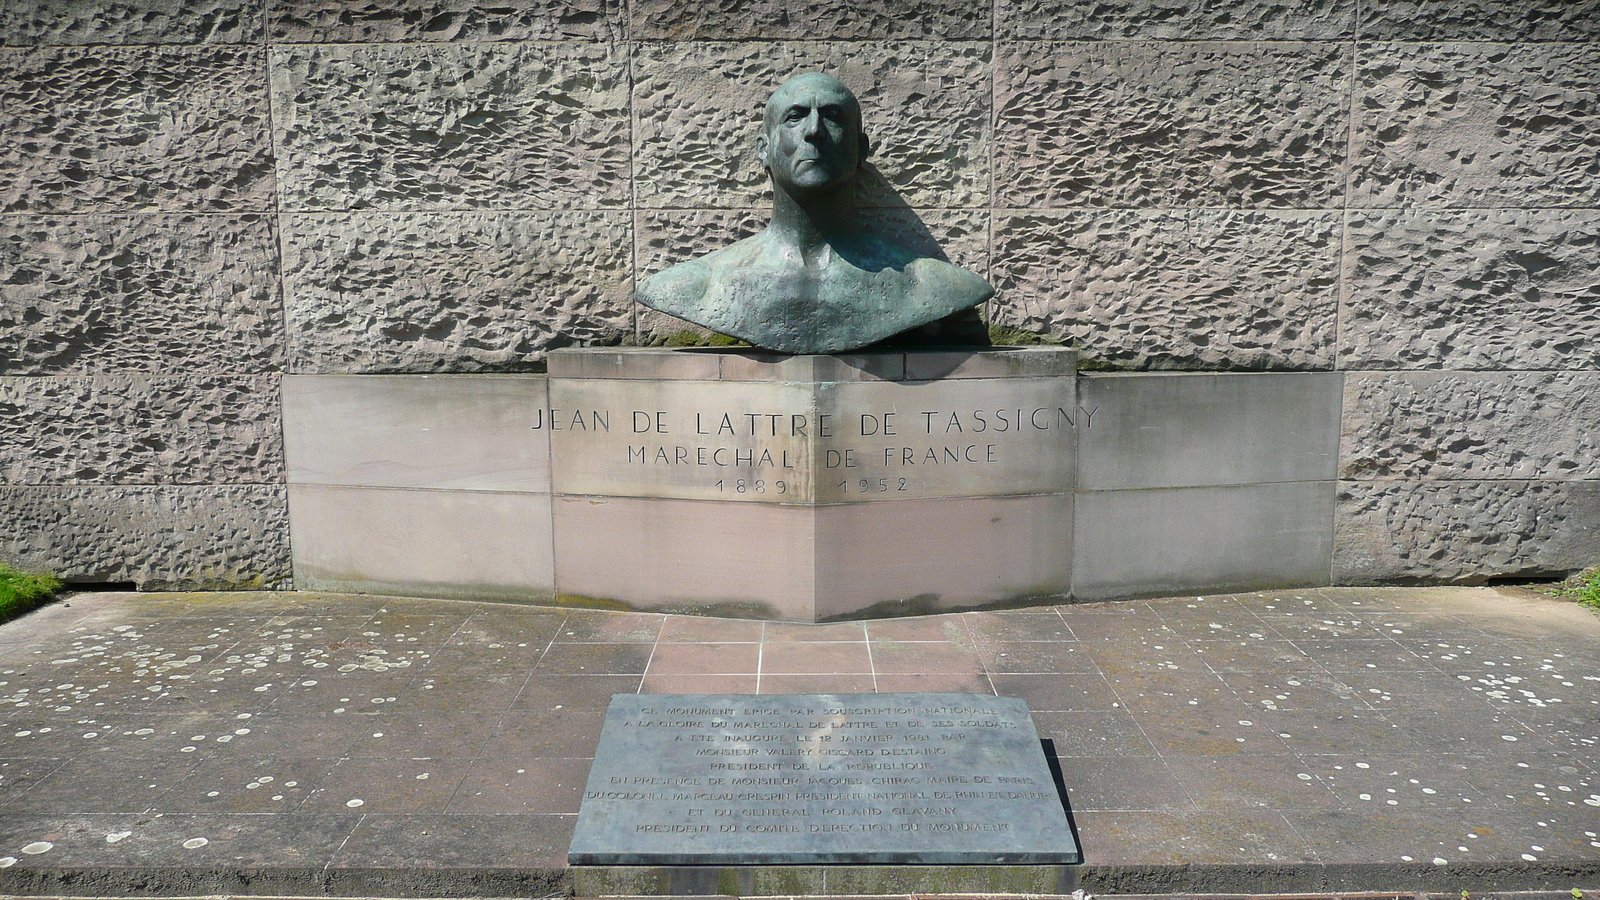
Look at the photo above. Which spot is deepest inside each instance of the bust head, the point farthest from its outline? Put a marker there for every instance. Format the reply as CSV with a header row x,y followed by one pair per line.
x,y
811,140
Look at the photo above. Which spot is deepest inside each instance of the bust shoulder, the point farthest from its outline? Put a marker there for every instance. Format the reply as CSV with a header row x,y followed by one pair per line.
x,y
678,289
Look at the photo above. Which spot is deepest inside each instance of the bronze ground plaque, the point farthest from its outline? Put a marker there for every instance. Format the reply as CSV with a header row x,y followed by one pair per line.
x,y
725,779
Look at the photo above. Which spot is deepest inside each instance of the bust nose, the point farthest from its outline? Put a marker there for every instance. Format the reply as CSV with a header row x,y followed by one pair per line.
x,y
812,128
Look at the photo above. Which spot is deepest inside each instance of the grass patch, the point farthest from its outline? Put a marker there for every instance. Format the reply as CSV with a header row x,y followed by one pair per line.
x,y
22,592
1584,587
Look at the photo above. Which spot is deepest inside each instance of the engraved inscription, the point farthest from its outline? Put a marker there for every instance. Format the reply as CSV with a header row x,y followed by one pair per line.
x,y
757,773
783,443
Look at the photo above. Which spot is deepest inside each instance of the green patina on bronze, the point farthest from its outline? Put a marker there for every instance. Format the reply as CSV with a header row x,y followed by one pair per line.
x,y
815,280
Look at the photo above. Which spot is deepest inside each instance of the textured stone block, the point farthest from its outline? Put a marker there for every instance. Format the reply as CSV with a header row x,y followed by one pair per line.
x,y
440,126
481,545
138,429
951,20
1464,532
371,21
89,294
453,292
1471,425
1480,20
174,537
1179,540
461,432
1121,123
1174,20
1476,125
1471,289
101,129
1172,430
697,111
1173,288
26,22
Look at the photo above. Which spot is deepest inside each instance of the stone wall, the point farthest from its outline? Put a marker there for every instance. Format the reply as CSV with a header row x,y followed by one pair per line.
x,y
200,196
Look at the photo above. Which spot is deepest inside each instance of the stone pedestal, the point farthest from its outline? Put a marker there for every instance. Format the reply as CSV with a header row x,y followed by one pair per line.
x,y
812,487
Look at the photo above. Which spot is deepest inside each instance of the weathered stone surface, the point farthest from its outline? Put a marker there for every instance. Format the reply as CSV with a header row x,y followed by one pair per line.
x,y
1174,20
1476,125
697,110
1159,124
1471,425
26,22
362,21
951,20
189,537
164,292
1480,20
138,429
1174,288
419,126
134,128
1463,532
453,292
1472,289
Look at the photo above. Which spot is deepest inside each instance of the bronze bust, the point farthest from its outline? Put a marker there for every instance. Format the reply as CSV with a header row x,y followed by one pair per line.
x,y
815,280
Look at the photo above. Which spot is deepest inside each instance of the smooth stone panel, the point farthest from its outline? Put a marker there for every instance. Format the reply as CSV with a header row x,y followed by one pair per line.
x,y
397,21
1122,20
1182,430
1479,20
1471,425
165,292
170,537
439,126
483,291
140,429
463,432
918,778
458,544
750,560
107,129
641,363
26,22
1464,532
697,113
998,362
1471,289
923,556
950,20
1178,540
1174,289
762,365
1476,124
1138,123
804,563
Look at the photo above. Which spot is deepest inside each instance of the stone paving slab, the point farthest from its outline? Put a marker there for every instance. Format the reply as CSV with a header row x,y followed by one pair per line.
x,y
1307,741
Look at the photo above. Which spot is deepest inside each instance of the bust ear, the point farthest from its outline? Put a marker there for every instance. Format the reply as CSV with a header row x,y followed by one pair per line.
x,y
761,150
866,146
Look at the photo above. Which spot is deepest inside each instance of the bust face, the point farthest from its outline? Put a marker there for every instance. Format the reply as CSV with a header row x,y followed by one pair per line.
x,y
812,141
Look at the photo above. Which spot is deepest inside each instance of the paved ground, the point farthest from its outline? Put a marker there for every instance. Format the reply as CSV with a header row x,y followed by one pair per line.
x,y
1334,739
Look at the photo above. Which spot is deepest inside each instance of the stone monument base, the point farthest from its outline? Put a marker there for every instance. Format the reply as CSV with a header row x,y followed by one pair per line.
x,y
812,488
